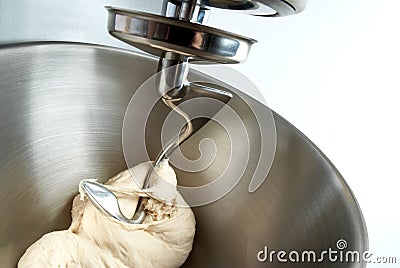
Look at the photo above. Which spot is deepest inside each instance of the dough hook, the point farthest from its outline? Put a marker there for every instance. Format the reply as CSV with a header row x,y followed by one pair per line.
x,y
178,37
104,200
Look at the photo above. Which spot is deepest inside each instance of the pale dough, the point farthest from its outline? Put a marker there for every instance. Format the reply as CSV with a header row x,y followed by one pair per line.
x,y
93,240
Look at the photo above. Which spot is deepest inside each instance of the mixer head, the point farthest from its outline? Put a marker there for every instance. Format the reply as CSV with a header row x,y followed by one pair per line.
x,y
178,36
179,29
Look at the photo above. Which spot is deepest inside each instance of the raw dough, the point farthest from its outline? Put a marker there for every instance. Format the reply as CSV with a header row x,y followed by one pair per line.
x,y
93,240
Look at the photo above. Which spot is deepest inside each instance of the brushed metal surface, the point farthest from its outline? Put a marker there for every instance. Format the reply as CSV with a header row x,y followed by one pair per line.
x,y
61,113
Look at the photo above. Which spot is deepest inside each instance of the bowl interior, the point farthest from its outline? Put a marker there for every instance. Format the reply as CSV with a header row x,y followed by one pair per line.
x,y
62,108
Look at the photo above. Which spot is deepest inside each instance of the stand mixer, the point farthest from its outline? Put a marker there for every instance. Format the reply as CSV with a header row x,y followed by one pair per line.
x,y
62,105
177,38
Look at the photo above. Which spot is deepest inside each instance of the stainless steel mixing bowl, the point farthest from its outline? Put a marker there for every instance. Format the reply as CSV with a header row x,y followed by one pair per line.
x,y
61,113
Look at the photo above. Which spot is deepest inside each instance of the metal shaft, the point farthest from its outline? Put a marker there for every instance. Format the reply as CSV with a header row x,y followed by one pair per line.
x,y
172,73
186,10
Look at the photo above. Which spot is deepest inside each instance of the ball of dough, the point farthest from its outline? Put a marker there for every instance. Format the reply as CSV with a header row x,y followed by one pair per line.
x,y
93,240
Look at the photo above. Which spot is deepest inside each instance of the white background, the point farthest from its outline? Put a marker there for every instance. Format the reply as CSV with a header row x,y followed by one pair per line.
x,y
333,71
